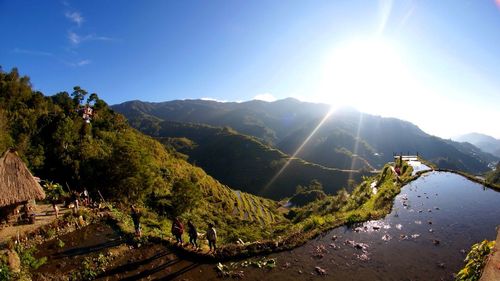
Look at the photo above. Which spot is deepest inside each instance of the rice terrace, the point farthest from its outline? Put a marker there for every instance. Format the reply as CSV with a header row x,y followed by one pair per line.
x,y
250,140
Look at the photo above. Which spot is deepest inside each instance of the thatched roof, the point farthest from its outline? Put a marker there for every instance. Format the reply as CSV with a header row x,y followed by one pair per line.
x,y
16,182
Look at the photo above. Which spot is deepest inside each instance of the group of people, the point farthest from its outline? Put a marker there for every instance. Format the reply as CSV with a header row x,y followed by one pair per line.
x,y
178,230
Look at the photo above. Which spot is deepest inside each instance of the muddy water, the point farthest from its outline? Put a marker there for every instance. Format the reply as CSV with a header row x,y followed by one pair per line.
x,y
434,222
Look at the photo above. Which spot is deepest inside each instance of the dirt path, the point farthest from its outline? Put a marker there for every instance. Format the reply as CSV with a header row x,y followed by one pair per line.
x,y
45,215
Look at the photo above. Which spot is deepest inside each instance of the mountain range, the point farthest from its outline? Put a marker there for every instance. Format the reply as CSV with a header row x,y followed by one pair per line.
x,y
484,142
346,139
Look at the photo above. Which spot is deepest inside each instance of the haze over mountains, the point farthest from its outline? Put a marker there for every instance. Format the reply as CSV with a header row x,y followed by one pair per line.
x,y
484,142
346,139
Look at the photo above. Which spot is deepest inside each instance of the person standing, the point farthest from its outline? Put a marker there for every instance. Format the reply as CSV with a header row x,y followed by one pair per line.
x,y
212,237
177,230
56,209
193,234
136,218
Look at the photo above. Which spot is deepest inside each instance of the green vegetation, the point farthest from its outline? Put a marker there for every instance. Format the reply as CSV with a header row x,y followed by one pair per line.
x,y
493,177
54,192
475,261
307,194
245,162
92,267
5,273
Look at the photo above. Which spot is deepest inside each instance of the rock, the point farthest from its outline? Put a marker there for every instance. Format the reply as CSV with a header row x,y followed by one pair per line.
x,y
441,265
386,237
431,230
429,222
300,271
436,208
363,257
320,270
436,242
334,237
376,227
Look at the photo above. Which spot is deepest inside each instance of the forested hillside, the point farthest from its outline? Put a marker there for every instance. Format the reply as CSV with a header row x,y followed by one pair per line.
x,y
346,136
243,162
106,154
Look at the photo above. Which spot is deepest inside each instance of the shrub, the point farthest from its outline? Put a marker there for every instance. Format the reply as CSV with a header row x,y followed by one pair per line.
x,y
475,261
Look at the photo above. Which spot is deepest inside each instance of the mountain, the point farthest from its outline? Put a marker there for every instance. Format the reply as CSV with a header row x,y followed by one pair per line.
x,y
484,142
245,163
345,136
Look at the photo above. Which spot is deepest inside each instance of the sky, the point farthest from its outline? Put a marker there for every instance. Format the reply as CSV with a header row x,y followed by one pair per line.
x,y
433,63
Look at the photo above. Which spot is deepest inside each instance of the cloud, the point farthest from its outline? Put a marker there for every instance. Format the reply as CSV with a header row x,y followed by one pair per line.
x,y
76,39
78,63
32,52
265,97
75,17
82,62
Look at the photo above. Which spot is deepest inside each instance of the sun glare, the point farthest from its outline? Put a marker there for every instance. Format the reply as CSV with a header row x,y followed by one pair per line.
x,y
363,74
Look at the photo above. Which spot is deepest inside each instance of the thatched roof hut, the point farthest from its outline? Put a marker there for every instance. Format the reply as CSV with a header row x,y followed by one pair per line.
x,y
17,184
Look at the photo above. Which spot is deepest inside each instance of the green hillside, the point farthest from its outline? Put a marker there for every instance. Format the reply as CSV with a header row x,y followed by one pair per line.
x,y
494,176
245,163
109,156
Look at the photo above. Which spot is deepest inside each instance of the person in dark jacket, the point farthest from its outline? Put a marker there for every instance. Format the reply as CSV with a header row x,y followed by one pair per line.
x,y
136,218
212,237
177,230
193,234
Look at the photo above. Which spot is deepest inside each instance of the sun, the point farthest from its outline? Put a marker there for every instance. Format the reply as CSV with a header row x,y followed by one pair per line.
x,y
363,74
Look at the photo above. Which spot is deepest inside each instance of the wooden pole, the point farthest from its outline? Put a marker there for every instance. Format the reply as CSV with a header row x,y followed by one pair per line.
x,y
101,196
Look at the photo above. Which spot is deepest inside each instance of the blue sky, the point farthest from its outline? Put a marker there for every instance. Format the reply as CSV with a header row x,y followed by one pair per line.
x,y
434,63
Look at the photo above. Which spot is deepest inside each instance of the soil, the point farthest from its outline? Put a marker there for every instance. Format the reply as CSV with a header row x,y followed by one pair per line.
x,y
45,215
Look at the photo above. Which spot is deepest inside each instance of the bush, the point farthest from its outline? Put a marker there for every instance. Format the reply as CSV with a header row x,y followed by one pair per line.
x,y
5,273
28,260
475,261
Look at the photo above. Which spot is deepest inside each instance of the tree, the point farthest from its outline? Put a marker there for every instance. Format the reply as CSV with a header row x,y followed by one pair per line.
x,y
78,95
92,99
185,196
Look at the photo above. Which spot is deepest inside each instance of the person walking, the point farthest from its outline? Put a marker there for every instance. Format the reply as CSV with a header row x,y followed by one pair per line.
x,y
177,230
212,237
193,234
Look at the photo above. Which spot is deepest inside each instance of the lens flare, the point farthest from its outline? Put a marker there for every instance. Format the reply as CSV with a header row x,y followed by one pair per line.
x,y
294,155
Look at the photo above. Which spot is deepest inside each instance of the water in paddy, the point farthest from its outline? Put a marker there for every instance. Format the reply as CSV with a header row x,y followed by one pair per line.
x,y
433,223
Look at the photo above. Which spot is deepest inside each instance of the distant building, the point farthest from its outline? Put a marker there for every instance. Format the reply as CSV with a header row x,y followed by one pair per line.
x,y
87,113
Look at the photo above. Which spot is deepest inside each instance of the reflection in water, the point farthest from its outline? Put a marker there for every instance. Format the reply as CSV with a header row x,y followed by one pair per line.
x,y
433,223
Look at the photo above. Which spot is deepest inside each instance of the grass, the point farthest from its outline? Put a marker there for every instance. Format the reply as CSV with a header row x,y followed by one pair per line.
x,y
265,230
